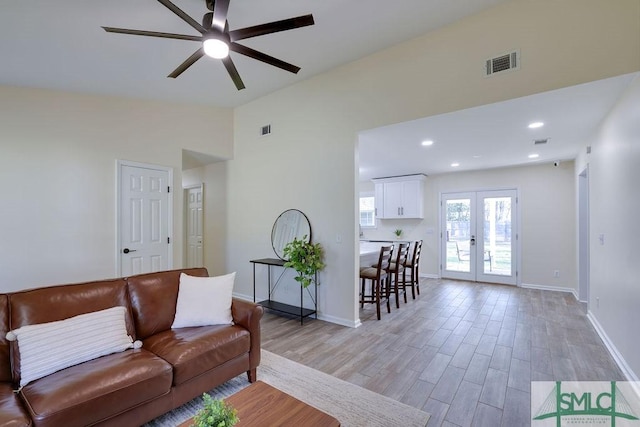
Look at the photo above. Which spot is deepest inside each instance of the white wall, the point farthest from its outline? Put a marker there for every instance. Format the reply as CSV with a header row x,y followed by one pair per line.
x,y
58,155
547,214
310,160
614,174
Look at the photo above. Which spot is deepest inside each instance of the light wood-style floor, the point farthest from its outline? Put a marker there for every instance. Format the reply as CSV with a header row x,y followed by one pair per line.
x,y
464,352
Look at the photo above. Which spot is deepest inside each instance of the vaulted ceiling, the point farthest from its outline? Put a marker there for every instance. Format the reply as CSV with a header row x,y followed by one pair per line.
x,y
61,45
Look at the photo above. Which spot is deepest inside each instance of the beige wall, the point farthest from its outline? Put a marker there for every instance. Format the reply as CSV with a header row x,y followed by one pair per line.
x,y
58,155
309,162
547,219
614,203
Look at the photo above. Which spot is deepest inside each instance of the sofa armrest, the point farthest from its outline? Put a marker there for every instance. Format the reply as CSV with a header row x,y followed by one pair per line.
x,y
248,314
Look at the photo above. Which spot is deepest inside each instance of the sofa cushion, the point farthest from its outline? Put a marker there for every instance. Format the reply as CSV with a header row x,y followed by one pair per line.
x,y
193,351
93,391
49,347
204,301
62,302
153,299
12,414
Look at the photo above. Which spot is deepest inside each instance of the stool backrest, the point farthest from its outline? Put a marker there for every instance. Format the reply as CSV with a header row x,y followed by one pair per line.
x,y
417,247
401,257
384,261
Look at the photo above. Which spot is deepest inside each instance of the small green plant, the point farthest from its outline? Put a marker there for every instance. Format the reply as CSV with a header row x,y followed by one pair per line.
x,y
305,258
215,413
398,232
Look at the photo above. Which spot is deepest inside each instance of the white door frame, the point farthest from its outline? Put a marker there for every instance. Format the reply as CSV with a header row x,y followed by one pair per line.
x,y
583,236
118,247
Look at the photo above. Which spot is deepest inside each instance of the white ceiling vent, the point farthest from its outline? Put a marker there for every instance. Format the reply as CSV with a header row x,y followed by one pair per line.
x,y
265,130
506,62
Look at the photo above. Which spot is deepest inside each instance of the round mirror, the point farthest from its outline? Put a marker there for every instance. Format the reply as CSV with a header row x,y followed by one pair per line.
x,y
290,224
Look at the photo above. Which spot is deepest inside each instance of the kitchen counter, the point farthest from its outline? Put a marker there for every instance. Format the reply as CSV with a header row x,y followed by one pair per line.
x,y
370,250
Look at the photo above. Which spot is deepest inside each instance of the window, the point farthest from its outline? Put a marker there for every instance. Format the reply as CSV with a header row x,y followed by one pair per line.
x,y
367,210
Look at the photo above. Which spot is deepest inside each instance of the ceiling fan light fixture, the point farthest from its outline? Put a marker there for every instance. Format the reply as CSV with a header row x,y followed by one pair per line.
x,y
215,48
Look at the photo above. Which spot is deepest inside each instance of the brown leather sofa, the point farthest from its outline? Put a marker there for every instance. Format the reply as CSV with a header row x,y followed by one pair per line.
x,y
134,386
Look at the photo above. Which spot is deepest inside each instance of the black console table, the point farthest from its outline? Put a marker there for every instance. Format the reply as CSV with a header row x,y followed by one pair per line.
x,y
278,306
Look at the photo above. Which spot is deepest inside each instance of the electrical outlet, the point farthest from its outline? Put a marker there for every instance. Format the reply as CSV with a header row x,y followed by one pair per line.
x,y
556,273
597,302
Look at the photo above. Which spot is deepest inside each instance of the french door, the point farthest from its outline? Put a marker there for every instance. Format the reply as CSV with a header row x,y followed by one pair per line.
x,y
479,236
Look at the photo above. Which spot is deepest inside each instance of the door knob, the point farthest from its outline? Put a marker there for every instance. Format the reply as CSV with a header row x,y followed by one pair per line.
x,y
127,250
472,242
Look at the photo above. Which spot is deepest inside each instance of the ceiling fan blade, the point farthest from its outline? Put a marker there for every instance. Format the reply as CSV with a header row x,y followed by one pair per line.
x,y
186,18
252,53
207,19
153,34
220,9
271,27
187,63
233,73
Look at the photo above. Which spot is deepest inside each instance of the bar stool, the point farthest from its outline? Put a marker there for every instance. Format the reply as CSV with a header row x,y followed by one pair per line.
x,y
379,276
397,268
413,264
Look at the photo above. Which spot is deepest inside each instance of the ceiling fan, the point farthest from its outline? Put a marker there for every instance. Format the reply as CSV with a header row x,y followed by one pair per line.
x,y
217,40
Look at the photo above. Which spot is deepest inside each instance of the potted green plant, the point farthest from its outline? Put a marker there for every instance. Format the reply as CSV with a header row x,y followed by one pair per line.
x,y
305,258
398,232
215,413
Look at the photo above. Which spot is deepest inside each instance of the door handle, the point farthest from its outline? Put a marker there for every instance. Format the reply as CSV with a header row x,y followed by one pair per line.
x,y
472,241
127,250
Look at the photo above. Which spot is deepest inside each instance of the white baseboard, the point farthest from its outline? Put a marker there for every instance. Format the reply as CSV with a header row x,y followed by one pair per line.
x,y
430,276
550,288
321,316
622,364
340,321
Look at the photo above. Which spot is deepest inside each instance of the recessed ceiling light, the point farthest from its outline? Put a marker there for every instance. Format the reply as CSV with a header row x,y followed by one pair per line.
x,y
455,165
534,156
535,125
427,142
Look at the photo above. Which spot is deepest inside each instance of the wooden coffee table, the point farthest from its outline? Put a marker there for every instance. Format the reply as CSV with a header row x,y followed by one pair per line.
x,y
263,405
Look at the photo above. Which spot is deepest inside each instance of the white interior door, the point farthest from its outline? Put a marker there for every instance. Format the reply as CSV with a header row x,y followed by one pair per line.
x,y
479,236
195,226
144,211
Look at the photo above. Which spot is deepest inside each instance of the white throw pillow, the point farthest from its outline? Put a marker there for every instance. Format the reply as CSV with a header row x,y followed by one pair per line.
x,y
46,348
204,301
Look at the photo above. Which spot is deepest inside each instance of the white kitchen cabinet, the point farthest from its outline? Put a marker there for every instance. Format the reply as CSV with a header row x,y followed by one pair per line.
x,y
379,200
401,197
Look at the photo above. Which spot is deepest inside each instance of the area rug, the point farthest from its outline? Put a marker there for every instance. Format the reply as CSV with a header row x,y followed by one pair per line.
x,y
352,405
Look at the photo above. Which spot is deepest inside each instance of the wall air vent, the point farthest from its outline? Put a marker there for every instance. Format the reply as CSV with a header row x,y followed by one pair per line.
x,y
505,62
540,141
265,130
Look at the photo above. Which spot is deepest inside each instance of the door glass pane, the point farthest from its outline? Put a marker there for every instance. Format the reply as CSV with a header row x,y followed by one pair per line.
x,y
458,233
497,236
